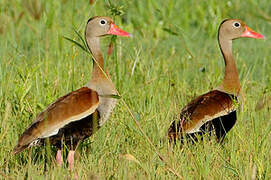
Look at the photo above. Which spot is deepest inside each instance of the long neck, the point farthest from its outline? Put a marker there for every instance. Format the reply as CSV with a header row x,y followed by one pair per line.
x,y
98,61
231,82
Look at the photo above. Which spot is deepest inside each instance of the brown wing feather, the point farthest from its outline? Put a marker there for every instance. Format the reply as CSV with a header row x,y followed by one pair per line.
x,y
74,132
201,110
69,108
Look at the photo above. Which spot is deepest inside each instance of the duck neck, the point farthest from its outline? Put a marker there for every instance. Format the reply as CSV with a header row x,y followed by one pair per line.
x,y
231,82
98,60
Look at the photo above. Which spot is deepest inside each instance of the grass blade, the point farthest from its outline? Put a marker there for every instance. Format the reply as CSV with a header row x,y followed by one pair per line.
x,y
77,44
81,38
114,96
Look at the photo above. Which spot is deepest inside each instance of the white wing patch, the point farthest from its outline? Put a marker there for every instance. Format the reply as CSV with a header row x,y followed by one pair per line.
x,y
53,130
207,118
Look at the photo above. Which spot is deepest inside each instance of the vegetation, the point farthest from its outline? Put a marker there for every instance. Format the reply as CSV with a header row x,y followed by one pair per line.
x,y
172,57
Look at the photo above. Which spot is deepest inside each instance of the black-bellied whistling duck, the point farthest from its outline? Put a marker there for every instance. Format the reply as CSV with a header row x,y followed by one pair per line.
x,y
75,116
215,110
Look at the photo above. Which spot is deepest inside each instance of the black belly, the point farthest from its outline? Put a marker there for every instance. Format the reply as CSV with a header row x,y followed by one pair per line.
x,y
74,132
221,126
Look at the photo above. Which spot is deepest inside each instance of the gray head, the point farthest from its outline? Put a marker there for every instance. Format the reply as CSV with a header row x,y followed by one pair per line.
x,y
101,25
231,29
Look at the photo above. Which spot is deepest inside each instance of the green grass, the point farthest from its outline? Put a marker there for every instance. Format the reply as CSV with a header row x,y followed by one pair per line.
x,y
37,65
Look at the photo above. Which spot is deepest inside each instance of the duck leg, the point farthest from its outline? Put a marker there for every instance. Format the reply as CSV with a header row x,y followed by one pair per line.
x,y
71,159
71,163
59,158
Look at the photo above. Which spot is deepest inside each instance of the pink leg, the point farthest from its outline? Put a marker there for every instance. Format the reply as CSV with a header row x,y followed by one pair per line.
x,y
59,159
71,159
71,162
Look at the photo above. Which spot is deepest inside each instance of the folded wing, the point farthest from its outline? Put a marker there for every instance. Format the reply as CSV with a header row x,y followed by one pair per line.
x,y
201,110
69,108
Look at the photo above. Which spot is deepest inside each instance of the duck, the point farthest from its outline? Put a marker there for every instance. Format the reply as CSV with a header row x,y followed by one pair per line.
x,y
79,114
215,111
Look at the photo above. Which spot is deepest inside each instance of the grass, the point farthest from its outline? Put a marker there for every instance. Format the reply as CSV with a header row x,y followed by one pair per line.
x,y
172,58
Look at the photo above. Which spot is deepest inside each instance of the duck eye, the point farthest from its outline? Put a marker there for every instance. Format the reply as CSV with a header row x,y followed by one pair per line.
x,y
103,22
236,24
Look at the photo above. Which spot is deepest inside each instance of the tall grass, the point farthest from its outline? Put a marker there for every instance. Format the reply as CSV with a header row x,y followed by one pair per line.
x,y
172,58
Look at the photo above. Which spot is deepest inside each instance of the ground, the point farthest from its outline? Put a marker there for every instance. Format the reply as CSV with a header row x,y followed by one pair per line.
x,y
172,57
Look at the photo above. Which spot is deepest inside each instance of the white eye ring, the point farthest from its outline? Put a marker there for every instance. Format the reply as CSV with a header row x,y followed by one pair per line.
x,y
236,25
103,22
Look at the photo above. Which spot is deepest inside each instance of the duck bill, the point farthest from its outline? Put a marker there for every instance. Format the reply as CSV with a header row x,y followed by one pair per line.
x,y
115,30
251,34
